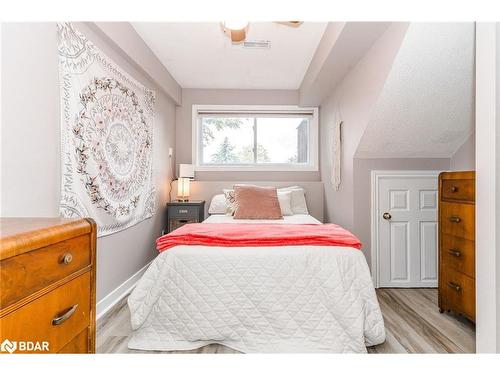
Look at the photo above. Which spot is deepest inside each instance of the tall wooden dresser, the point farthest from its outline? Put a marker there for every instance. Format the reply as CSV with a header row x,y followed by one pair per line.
x,y
47,283
457,253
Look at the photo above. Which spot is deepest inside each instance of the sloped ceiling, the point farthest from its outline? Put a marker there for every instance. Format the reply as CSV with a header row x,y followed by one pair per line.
x,y
343,44
426,108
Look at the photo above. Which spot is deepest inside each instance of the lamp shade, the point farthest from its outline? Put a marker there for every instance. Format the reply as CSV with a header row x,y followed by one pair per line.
x,y
183,189
186,170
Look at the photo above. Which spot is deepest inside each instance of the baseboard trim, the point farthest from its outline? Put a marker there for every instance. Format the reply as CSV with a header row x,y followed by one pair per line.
x,y
107,303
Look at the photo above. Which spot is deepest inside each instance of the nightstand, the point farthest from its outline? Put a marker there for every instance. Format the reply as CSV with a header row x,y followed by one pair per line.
x,y
180,213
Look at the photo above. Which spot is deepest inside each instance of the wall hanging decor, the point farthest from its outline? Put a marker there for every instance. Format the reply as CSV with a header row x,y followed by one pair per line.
x,y
106,137
337,155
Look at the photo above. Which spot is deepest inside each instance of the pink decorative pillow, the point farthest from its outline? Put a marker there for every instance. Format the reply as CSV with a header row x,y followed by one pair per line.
x,y
255,202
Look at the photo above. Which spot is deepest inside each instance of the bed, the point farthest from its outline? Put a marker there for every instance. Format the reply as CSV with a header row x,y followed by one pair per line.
x,y
257,299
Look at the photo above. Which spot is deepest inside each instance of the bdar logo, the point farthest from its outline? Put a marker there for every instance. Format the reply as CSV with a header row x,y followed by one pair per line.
x,y
8,346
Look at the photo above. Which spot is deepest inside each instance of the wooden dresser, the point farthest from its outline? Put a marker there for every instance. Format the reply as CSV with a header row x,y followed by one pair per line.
x,y
47,283
457,253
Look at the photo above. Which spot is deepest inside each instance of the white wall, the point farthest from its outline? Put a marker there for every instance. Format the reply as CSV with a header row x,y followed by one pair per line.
x,y
30,120
207,96
352,102
487,188
426,108
497,180
30,144
464,159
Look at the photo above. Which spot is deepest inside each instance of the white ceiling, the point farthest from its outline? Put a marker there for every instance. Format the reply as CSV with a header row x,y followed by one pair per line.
x,y
426,108
199,55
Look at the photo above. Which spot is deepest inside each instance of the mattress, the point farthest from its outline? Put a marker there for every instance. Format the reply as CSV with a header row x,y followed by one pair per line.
x,y
257,299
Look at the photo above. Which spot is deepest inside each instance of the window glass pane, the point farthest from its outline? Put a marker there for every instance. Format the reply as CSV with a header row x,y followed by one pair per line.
x,y
282,140
227,140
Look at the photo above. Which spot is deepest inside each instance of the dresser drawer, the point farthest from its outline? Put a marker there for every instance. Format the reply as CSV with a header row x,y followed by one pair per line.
x,y
458,219
459,254
462,190
458,292
26,273
79,345
57,317
183,212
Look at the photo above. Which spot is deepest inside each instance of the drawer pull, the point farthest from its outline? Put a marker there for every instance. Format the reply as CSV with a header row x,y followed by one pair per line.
x,y
454,252
61,319
67,258
454,189
183,211
454,219
454,286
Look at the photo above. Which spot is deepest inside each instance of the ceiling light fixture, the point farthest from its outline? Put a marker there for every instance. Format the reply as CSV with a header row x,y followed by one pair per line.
x,y
235,30
235,25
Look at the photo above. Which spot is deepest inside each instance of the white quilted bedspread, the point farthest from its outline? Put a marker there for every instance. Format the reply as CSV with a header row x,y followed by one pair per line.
x,y
257,299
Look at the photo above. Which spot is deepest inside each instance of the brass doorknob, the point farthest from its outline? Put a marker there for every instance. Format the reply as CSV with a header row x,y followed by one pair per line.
x,y
387,216
67,258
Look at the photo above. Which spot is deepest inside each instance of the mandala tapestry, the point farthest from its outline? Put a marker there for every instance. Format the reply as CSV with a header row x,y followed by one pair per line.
x,y
107,137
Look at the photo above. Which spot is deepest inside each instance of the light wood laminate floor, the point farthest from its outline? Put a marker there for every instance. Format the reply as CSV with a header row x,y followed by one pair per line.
x,y
412,321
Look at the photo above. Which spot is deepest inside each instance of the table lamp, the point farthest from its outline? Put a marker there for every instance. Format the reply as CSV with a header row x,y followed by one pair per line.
x,y
186,173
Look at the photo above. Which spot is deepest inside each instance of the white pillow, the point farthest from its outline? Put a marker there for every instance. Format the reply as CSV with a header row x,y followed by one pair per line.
x,y
285,200
230,201
218,205
298,201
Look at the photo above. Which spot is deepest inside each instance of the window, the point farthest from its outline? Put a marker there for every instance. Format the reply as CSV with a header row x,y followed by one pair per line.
x,y
255,138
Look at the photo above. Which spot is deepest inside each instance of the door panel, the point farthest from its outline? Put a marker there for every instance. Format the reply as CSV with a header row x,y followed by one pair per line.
x,y
428,251
428,200
399,251
399,200
407,237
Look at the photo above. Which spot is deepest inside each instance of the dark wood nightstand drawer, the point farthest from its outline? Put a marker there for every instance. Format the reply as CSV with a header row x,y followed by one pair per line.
x,y
183,212
180,213
173,224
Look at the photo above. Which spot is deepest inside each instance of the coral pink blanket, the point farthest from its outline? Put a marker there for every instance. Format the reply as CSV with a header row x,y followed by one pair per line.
x,y
243,235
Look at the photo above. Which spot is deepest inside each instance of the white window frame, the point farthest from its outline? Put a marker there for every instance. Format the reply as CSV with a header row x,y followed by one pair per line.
x,y
313,150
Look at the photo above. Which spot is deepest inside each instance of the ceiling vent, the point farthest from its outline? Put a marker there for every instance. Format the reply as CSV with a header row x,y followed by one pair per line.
x,y
259,44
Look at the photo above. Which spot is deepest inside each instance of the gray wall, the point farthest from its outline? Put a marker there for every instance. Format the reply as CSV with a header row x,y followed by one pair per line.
x,y
30,144
244,97
464,158
352,102
124,36
362,189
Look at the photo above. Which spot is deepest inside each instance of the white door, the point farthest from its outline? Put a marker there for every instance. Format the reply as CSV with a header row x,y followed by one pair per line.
x,y
407,229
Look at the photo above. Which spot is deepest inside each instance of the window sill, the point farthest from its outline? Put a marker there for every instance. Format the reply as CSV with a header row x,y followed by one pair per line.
x,y
253,168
